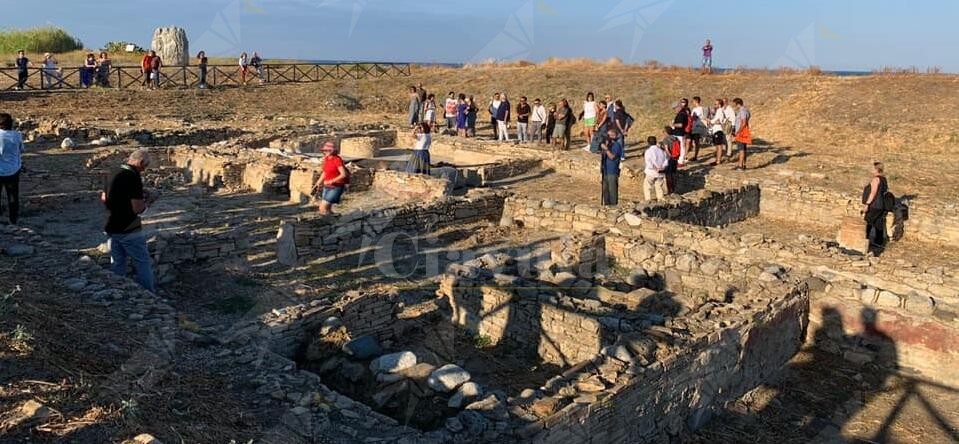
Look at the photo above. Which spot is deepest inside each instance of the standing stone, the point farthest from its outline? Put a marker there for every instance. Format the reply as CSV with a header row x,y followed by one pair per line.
x,y
172,46
286,245
852,234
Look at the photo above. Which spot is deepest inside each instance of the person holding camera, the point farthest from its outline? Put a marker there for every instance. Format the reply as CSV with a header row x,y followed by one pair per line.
x,y
125,200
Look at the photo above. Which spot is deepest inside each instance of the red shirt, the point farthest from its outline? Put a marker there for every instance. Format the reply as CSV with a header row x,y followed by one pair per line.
x,y
146,63
331,170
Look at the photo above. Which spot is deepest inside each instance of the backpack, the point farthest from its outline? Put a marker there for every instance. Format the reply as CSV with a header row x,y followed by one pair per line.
x,y
888,200
689,123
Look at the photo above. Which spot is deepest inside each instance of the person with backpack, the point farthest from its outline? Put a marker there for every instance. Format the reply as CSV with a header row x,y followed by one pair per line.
x,y
698,127
672,145
877,201
333,180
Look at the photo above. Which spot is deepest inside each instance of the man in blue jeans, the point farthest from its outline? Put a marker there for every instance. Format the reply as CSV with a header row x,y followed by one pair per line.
x,y
612,154
125,200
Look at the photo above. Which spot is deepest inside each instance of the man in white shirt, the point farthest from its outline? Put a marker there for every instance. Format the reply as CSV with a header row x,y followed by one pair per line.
x,y
449,112
729,116
656,161
536,121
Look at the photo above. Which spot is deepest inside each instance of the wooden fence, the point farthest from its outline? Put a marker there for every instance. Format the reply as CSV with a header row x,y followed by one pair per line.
x,y
123,77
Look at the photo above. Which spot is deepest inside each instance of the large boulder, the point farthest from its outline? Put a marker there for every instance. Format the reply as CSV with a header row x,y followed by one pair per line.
x,y
172,46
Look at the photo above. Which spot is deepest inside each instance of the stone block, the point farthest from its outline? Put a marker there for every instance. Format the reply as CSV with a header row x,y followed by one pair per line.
x,y
852,234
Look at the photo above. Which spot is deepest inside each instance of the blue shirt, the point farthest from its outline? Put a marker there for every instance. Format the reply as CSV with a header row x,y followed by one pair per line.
x,y
611,166
22,63
11,147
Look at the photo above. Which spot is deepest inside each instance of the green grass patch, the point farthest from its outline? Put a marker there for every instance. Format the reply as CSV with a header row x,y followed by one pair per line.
x,y
38,40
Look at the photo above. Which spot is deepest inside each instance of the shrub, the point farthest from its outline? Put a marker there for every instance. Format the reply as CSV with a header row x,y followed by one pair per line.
x,y
121,47
38,40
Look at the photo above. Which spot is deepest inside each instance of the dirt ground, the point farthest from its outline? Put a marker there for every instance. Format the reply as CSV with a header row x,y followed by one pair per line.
x,y
829,125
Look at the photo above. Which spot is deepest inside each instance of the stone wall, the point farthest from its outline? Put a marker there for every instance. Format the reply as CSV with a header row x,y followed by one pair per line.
x,y
270,179
170,250
405,186
362,144
285,331
926,301
708,208
516,313
316,235
682,391
781,199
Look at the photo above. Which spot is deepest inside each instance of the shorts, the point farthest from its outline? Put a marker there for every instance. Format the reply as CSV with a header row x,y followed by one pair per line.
x,y
590,121
708,62
719,138
333,195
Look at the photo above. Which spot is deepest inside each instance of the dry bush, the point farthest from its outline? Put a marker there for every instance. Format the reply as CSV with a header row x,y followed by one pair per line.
x,y
614,61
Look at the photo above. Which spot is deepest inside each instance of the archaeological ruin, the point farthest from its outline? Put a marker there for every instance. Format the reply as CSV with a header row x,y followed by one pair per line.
x,y
483,308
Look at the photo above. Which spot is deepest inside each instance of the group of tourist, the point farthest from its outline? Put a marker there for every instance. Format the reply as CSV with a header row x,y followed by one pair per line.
x,y
96,70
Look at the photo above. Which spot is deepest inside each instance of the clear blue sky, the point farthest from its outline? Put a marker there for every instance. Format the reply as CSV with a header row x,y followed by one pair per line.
x,y
833,34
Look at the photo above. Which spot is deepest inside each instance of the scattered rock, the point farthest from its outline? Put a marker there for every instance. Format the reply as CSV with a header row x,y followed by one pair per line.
x,y
383,396
544,407
467,392
491,407
68,144
473,421
145,438
363,347
590,385
393,362
329,324
447,378
632,219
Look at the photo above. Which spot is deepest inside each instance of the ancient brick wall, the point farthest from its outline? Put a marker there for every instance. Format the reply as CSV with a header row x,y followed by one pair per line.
x,y
322,236
405,186
682,391
516,313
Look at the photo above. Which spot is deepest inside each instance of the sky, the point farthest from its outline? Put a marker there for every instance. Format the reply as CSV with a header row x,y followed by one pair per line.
x,y
830,34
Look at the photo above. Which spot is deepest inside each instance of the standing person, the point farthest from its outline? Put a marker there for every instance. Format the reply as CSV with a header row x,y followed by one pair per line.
x,y
429,111
503,114
550,123
419,162
415,106
744,135
600,128
202,61
698,122
471,111
422,95
588,116
610,107
155,64
462,116
125,199
622,122
561,120
708,57
22,63
244,63
612,154
51,74
11,154
87,70
718,124
672,146
103,70
257,63
680,123
729,127
537,121
493,108
449,111
874,208
146,67
333,180
656,161
523,111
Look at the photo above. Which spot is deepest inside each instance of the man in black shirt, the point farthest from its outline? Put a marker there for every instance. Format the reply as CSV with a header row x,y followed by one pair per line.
x,y
125,199
680,123
22,64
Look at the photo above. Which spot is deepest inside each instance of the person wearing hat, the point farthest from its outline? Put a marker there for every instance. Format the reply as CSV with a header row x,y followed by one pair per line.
x,y
333,179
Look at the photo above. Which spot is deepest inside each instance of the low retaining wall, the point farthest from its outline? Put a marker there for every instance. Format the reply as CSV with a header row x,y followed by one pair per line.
x,y
682,392
363,145
938,223
709,208
317,235
405,186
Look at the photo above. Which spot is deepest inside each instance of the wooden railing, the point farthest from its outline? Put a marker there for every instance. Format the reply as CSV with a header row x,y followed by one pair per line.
x,y
124,77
